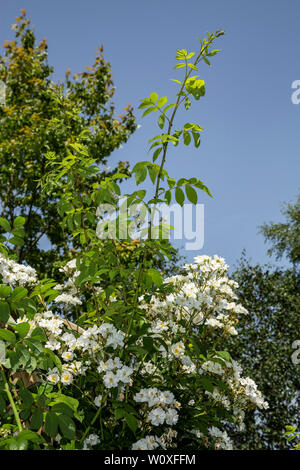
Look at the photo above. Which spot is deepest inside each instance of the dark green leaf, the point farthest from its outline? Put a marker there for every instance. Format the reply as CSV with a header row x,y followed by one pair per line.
x,y
4,312
67,426
51,424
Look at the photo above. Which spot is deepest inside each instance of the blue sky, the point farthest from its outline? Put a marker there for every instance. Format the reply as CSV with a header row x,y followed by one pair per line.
x,y
249,154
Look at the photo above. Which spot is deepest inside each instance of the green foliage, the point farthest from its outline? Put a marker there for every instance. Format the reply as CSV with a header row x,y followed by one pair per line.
x,y
112,281
40,115
285,237
264,343
292,435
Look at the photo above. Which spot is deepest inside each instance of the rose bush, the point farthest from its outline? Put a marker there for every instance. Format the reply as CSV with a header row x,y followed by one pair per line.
x,y
118,357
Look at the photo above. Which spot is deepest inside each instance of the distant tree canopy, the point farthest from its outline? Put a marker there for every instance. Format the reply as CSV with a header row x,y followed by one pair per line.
x,y
264,344
285,237
40,115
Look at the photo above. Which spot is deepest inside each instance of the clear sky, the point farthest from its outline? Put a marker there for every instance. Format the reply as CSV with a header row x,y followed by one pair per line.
x,y
249,155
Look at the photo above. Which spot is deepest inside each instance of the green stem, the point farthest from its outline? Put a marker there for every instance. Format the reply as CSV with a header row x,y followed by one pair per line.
x,y
89,427
11,401
135,299
93,420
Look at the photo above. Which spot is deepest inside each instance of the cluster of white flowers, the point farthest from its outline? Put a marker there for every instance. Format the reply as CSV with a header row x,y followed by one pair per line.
x,y
165,441
14,273
54,376
68,299
164,403
90,441
73,345
203,299
219,397
252,393
70,291
121,375
222,439
214,367
147,443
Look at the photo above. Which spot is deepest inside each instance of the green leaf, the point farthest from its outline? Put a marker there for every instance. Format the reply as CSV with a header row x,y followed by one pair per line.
x,y
196,137
191,194
36,419
156,154
152,173
24,354
168,196
162,101
18,232
51,423
22,329
16,241
18,293
186,138
18,444
5,291
131,421
202,186
170,105
4,312
5,224
32,366
179,66
69,446
119,413
149,110
39,334
35,345
30,436
19,222
154,97
207,385
190,55
28,305
62,408
171,182
67,426
155,276
224,355
161,121
148,343
179,196
187,103
70,401
206,60
8,336
145,103
140,175
26,397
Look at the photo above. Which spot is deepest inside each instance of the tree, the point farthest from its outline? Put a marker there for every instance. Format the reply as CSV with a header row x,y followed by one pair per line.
x,y
285,236
266,335
40,115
